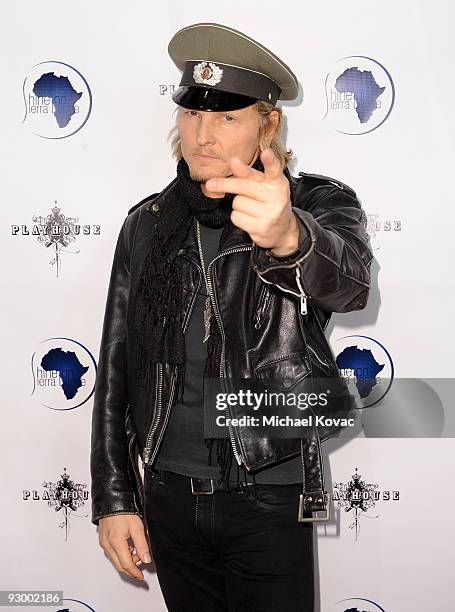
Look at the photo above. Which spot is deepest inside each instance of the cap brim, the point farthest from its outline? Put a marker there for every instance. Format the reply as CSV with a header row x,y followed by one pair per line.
x,y
204,98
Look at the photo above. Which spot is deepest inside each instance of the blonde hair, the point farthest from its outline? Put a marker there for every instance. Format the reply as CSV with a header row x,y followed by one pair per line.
x,y
264,109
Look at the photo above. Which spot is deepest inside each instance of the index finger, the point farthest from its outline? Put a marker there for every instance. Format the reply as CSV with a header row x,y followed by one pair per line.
x,y
242,186
112,556
124,556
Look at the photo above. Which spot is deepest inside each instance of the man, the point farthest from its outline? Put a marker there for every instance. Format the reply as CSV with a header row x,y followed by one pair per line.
x,y
229,273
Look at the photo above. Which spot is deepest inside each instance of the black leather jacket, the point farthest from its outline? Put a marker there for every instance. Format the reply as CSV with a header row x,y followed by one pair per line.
x,y
272,315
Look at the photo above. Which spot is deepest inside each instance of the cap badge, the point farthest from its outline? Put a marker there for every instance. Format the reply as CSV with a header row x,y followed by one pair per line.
x,y
207,73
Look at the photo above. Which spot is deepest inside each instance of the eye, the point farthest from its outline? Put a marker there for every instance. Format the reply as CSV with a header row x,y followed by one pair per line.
x,y
229,118
193,113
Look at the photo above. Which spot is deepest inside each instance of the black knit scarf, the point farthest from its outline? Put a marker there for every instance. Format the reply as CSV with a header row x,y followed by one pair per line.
x,y
158,321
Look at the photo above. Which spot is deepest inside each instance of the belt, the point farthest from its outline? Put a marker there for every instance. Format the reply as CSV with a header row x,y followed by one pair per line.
x,y
314,498
200,486
206,486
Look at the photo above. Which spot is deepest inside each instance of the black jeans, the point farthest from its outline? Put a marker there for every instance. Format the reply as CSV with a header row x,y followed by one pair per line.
x,y
229,551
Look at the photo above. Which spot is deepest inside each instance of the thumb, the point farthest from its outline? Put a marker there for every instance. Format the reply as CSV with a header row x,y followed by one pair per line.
x,y
140,543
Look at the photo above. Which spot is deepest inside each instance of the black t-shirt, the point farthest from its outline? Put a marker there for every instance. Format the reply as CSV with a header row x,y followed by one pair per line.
x,y
183,449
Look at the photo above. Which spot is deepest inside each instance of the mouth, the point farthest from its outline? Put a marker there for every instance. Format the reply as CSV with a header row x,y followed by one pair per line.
x,y
199,156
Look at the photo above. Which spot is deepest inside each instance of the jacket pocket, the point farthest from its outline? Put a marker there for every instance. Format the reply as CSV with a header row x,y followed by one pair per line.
x,y
319,361
283,498
283,373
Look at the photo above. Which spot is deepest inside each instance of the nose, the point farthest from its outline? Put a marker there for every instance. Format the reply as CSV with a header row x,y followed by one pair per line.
x,y
205,134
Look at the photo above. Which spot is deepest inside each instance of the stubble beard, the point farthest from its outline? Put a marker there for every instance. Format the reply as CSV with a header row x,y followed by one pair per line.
x,y
201,177
198,176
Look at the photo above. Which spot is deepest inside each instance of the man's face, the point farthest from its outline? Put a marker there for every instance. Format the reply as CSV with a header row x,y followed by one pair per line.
x,y
210,138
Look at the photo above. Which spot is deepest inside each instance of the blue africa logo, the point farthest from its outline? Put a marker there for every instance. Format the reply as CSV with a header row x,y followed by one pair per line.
x,y
58,100
360,95
64,373
368,365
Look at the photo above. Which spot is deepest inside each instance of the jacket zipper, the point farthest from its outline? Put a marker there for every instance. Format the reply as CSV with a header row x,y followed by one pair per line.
x,y
321,361
147,450
237,454
298,279
154,425
171,397
303,297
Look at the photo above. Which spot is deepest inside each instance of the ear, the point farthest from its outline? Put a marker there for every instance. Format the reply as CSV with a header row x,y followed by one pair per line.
x,y
272,124
274,118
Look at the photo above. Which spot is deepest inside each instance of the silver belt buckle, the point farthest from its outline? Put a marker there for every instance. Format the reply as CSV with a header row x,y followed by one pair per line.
x,y
314,519
194,490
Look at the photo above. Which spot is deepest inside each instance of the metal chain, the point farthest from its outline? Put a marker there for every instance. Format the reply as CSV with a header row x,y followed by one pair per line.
x,y
198,235
208,305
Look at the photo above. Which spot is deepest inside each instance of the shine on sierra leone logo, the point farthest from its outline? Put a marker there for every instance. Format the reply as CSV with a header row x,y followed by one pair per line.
x,y
366,366
57,99
64,374
360,95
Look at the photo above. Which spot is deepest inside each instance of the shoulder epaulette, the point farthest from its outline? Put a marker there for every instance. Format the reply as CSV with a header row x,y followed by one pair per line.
x,y
154,208
320,178
144,201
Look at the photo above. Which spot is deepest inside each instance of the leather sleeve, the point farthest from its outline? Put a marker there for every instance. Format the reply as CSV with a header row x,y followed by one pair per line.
x,y
331,267
111,486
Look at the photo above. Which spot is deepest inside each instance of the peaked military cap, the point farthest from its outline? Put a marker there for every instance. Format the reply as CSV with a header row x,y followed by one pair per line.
x,y
224,69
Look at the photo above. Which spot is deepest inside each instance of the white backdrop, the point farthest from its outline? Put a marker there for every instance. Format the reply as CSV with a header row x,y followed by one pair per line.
x,y
397,556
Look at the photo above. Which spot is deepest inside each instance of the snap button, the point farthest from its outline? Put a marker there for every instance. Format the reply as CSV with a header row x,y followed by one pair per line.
x,y
155,207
